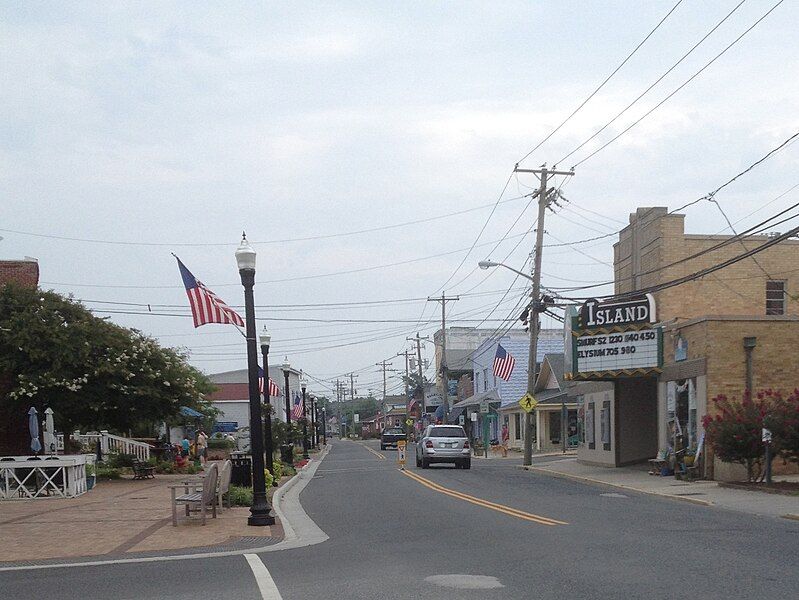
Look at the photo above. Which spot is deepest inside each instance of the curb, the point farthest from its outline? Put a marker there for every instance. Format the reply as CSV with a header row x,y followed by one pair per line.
x,y
791,516
287,542
616,485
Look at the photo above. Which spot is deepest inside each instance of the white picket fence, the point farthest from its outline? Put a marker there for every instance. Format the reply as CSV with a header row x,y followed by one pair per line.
x,y
114,443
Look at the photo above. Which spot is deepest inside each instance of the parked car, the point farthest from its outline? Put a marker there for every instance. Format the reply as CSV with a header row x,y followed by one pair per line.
x,y
444,444
390,437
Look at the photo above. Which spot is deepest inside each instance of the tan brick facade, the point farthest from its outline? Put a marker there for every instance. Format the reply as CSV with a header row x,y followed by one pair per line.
x,y
654,239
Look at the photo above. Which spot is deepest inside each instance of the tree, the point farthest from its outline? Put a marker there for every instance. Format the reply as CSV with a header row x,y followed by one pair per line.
x,y
91,372
735,432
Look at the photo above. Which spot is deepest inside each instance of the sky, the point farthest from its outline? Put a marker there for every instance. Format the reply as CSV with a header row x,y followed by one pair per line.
x,y
149,128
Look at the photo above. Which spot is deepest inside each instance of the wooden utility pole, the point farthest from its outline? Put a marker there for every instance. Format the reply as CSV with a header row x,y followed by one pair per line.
x,y
418,341
444,371
536,308
384,365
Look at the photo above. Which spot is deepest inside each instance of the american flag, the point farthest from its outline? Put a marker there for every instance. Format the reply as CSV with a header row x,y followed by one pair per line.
x,y
503,363
274,390
206,307
296,411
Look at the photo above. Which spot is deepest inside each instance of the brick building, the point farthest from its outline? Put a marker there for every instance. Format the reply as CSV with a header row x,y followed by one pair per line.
x,y
707,324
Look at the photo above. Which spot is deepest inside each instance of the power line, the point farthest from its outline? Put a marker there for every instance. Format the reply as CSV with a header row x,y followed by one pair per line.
x,y
658,80
601,85
493,206
681,86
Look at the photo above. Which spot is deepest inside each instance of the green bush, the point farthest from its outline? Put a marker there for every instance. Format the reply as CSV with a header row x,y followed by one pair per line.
x,y
268,479
240,496
221,444
108,473
277,470
165,466
89,470
119,460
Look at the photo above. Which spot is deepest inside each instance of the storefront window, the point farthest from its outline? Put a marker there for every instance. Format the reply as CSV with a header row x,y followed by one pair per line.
x,y
590,427
554,427
517,426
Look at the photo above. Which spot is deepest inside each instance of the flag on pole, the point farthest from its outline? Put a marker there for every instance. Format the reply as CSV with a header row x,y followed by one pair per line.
x,y
296,411
206,307
274,390
503,363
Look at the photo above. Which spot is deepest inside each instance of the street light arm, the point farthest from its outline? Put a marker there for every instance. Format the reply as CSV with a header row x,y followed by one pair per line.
x,y
485,264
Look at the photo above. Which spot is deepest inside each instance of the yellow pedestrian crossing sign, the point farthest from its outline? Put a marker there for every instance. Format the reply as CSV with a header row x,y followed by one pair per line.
x,y
528,403
409,421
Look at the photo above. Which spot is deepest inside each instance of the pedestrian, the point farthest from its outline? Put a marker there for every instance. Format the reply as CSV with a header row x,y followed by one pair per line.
x,y
505,439
202,446
184,446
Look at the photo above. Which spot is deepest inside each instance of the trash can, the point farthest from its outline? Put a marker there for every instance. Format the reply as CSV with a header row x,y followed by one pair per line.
x,y
286,454
241,473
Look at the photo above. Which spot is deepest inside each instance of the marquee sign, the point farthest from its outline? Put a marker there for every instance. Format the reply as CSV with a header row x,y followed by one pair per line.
x,y
636,311
619,353
616,339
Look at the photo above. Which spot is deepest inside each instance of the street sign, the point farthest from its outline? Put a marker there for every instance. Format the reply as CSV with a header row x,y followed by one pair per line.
x,y
528,403
766,436
409,421
401,453
484,406
356,418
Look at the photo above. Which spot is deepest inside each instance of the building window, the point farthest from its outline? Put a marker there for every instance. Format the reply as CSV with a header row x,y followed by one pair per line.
x,y
485,379
590,426
604,424
517,426
775,297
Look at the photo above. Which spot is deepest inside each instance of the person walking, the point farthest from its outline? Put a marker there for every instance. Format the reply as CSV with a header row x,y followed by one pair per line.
x,y
202,446
505,439
184,446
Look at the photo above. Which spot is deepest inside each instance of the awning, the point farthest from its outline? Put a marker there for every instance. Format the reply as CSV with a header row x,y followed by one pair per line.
x,y
190,412
455,413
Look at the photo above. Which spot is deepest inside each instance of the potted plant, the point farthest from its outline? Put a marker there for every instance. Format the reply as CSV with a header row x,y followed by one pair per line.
x,y
91,477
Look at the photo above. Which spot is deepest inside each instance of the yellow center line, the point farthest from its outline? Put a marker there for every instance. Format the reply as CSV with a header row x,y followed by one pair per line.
x,y
513,512
377,454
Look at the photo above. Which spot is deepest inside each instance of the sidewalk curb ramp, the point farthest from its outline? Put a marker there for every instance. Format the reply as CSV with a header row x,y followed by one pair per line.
x,y
298,529
584,479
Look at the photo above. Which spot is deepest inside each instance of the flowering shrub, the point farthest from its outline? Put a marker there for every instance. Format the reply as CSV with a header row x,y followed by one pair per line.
x,y
735,432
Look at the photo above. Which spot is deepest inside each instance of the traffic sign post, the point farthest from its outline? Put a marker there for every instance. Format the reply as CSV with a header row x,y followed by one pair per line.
x,y
401,454
484,408
528,402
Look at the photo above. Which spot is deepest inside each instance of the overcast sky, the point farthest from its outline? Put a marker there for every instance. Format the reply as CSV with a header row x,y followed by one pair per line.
x,y
185,123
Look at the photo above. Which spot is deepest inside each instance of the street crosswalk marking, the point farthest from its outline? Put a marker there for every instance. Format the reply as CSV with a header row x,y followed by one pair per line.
x,y
264,579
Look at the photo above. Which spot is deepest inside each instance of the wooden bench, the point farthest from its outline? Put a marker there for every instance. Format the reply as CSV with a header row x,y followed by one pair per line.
x,y
142,470
656,464
197,496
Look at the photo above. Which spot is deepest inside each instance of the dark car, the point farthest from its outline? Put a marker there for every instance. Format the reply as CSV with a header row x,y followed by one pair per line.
x,y
390,437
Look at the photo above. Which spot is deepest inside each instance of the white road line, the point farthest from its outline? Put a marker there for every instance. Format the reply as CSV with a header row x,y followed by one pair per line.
x,y
265,582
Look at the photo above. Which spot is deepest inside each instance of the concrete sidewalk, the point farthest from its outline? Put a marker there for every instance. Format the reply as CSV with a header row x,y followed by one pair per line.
x,y
116,519
706,493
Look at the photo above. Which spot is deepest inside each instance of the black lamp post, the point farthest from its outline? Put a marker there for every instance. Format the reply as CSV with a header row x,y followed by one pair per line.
x,y
260,509
313,422
288,447
304,385
269,451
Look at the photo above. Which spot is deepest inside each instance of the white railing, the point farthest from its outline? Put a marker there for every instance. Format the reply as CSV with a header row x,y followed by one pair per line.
x,y
114,443
28,477
122,445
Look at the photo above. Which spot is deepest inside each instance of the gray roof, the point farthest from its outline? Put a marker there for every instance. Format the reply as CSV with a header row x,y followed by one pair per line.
x,y
556,363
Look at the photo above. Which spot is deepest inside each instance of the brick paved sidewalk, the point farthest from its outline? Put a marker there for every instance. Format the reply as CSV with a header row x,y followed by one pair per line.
x,y
115,519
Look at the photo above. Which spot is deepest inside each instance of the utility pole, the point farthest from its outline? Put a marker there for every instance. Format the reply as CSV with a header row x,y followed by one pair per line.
x,y
407,354
444,372
384,366
536,307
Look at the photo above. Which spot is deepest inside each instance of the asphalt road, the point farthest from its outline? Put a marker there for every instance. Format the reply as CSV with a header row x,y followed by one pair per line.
x,y
445,533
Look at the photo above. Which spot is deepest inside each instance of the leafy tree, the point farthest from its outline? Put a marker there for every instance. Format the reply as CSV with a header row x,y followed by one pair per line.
x,y
735,432
91,372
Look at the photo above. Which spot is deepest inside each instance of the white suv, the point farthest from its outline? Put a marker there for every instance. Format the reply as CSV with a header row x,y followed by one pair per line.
x,y
444,444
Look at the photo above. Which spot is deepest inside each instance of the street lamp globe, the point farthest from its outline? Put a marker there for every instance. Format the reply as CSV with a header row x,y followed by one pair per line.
x,y
285,366
485,264
245,255
265,338
303,383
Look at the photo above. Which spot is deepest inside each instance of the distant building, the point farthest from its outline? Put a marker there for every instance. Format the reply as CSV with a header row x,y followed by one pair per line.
x,y
232,396
503,396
